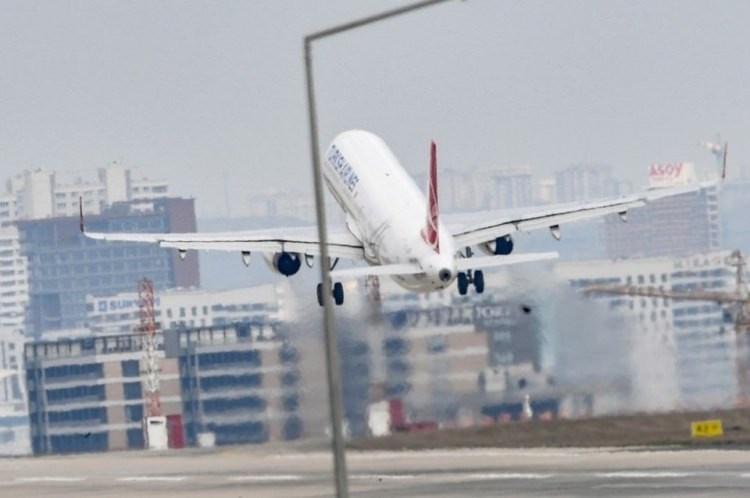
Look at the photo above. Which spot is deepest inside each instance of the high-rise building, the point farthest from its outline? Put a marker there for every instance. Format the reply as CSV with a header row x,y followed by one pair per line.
x,y
276,204
506,188
674,226
64,266
36,194
734,200
495,188
581,182
14,280
681,353
14,295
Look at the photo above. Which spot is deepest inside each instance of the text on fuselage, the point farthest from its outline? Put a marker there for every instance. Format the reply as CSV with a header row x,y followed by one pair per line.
x,y
339,163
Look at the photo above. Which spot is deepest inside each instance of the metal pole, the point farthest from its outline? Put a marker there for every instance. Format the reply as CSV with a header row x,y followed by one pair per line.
x,y
333,366
371,19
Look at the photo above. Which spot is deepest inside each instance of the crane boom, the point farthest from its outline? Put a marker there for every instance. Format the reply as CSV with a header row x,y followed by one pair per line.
x,y
691,295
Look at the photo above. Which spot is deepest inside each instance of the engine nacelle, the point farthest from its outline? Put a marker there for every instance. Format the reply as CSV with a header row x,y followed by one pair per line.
x,y
500,246
286,263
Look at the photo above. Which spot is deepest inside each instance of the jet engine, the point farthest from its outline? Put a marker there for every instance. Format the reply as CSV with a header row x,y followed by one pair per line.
x,y
500,246
286,263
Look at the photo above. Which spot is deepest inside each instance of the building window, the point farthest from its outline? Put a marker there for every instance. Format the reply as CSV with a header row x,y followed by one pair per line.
x,y
132,390
131,368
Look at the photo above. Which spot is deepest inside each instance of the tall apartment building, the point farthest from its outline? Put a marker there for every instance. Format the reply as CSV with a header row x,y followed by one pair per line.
x,y
496,188
64,266
280,204
674,226
681,353
585,182
36,194
14,294
734,203
14,280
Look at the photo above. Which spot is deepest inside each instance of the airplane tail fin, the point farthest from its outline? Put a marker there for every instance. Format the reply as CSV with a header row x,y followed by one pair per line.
x,y
430,232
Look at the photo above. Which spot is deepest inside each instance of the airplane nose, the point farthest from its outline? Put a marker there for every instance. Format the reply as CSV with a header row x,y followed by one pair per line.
x,y
445,275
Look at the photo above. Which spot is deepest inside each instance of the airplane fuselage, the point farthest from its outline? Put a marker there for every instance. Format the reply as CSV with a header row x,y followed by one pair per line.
x,y
386,210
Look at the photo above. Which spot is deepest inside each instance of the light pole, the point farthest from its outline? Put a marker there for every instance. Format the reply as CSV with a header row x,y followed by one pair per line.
x,y
333,368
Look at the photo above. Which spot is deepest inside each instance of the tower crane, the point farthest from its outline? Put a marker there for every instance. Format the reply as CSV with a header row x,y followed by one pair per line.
x,y
738,300
719,151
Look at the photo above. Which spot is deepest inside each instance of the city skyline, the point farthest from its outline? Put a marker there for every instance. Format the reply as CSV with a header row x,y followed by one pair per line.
x,y
211,97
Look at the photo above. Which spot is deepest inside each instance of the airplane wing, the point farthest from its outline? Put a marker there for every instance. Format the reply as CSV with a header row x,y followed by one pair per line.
x,y
303,240
475,228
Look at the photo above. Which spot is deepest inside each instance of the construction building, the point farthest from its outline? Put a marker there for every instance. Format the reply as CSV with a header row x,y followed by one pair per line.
x,y
87,394
237,383
682,353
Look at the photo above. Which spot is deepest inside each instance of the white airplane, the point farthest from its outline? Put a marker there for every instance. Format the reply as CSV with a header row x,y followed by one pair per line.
x,y
394,228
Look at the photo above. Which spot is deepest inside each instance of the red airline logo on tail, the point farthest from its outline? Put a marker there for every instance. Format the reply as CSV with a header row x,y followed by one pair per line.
x,y
430,231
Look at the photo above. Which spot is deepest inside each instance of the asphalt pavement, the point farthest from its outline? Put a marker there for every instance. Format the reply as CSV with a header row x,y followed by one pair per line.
x,y
294,472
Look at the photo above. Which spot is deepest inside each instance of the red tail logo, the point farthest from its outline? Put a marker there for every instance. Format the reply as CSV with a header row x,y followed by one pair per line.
x,y
430,231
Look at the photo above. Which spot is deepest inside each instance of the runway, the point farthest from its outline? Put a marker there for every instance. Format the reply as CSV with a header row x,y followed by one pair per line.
x,y
284,472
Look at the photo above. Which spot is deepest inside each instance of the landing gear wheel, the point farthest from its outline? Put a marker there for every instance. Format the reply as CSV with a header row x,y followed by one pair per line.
x,y
320,294
463,283
338,293
479,281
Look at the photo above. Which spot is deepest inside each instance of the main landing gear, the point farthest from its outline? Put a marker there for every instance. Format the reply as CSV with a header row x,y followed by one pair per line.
x,y
469,277
464,279
337,290
337,294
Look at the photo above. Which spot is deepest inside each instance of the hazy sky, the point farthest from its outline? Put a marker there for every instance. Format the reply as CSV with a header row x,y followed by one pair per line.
x,y
192,91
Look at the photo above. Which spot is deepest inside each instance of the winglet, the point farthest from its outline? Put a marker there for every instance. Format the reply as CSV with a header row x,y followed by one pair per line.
x,y
80,214
724,161
430,231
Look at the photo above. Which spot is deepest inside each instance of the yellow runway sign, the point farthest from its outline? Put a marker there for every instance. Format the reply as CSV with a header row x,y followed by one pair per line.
x,y
706,428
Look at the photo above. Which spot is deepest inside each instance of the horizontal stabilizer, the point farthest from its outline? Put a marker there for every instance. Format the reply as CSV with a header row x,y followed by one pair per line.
x,y
512,259
363,271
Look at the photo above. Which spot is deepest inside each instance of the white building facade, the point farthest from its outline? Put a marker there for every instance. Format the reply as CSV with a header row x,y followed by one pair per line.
x,y
682,353
14,296
121,313
36,194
